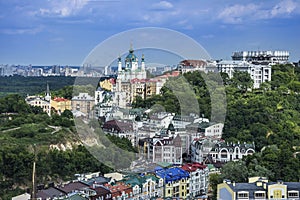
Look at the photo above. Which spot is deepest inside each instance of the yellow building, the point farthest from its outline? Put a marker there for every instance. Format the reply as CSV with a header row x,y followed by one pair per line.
x,y
258,188
144,88
176,182
107,84
61,104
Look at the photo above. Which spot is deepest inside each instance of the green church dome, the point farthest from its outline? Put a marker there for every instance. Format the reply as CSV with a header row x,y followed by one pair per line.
x,y
131,57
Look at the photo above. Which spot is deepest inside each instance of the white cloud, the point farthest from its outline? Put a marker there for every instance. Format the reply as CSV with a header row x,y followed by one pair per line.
x,y
162,5
284,7
62,8
235,14
239,13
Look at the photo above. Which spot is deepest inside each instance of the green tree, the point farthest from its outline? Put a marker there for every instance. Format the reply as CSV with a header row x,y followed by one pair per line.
x,y
242,81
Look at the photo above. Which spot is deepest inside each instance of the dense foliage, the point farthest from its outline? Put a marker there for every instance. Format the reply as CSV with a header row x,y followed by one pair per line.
x,y
32,85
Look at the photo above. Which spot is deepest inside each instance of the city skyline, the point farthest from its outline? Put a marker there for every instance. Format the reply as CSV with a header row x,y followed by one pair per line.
x,y
65,32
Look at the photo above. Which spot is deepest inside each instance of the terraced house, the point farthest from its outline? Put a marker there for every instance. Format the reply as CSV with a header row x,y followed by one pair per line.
x,y
258,188
144,187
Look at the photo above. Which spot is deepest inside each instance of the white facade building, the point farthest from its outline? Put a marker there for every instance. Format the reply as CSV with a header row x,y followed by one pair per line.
x,y
198,185
268,57
259,73
201,148
226,152
39,101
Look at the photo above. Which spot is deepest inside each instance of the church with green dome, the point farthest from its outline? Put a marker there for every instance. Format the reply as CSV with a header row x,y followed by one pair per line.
x,y
131,70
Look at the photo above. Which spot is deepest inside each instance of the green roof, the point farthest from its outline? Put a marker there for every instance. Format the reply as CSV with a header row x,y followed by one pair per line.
x,y
210,166
134,179
165,164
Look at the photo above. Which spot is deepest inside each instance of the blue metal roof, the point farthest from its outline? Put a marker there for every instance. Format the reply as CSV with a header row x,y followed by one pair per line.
x,y
172,174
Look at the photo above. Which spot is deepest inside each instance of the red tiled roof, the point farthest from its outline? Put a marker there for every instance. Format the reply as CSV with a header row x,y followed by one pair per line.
x,y
191,167
193,63
117,190
59,99
167,75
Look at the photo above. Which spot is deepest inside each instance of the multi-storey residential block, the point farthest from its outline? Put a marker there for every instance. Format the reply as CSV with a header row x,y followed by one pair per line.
x,y
198,179
159,120
83,103
6,70
207,129
262,56
164,149
225,152
104,103
258,188
143,88
259,73
176,182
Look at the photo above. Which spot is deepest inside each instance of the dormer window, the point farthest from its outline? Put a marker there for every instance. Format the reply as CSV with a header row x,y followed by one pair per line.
x,y
243,195
260,195
293,194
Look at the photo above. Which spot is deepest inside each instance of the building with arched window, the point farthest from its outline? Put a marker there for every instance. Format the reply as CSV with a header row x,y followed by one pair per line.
x,y
225,152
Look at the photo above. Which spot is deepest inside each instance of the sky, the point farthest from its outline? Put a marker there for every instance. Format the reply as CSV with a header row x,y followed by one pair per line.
x,y
64,32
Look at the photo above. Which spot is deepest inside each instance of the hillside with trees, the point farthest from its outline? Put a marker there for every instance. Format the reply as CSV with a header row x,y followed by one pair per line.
x,y
59,151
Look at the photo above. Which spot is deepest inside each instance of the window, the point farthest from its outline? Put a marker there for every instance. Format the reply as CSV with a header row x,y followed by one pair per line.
x,y
260,195
243,195
293,194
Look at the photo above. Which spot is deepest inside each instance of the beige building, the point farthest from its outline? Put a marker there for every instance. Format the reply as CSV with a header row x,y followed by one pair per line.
x,y
144,88
258,188
61,104
83,103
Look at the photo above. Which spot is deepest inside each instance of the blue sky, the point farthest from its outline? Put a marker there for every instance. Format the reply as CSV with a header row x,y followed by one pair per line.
x,y
63,32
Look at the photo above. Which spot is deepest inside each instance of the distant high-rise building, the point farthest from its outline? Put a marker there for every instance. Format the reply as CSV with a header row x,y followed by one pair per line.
x,y
6,70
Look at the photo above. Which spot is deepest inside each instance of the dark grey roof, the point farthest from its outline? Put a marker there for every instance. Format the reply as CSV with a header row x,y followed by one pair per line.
x,y
50,193
245,187
97,180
